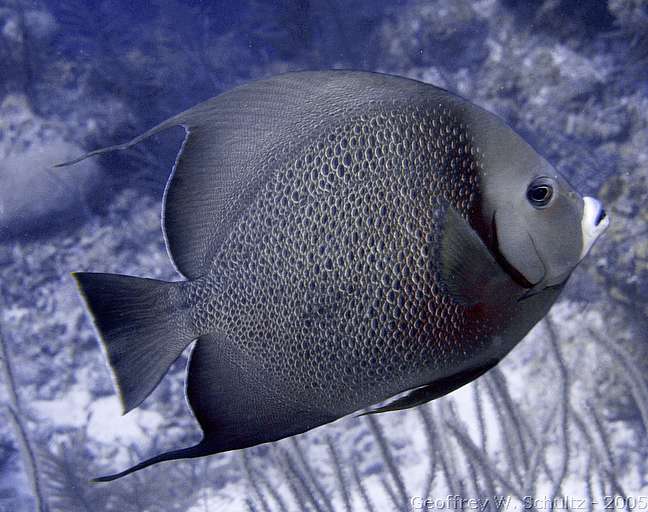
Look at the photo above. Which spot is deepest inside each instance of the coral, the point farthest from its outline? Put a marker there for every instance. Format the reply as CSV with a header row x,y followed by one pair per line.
x,y
34,196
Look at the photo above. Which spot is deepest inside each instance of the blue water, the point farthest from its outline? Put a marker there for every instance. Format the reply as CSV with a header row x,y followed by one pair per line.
x,y
563,417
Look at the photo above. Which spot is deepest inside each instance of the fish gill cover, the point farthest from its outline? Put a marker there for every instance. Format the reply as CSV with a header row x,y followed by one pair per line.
x,y
565,415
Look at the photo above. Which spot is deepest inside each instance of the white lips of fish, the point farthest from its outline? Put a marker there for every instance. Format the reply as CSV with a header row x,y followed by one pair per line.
x,y
593,224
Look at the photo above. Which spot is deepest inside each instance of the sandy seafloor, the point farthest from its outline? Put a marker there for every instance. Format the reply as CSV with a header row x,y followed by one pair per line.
x,y
562,420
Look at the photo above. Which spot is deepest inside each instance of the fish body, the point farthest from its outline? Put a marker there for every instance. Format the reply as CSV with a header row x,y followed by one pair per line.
x,y
346,237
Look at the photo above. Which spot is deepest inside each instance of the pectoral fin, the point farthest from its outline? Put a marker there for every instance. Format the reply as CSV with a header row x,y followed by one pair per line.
x,y
469,271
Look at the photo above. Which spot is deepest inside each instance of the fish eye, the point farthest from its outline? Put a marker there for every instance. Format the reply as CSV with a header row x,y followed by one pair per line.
x,y
540,192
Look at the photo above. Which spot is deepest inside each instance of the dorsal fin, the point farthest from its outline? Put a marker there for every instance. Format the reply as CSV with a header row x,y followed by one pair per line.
x,y
235,142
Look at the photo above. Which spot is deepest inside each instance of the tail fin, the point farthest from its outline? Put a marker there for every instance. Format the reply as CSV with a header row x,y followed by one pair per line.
x,y
141,328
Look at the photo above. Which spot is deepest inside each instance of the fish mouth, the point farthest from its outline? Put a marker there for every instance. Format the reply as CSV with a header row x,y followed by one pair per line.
x,y
594,222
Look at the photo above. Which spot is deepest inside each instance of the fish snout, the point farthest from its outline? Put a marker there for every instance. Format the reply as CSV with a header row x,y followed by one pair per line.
x,y
595,221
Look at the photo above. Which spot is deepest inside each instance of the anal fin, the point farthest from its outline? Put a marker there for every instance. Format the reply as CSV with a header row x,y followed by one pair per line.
x,y
236,402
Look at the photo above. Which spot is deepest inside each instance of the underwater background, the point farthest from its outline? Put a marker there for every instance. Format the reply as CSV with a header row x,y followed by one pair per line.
x,y
559,424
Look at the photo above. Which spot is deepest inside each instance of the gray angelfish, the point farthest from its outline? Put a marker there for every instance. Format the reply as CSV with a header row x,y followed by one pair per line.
x,y
345,237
